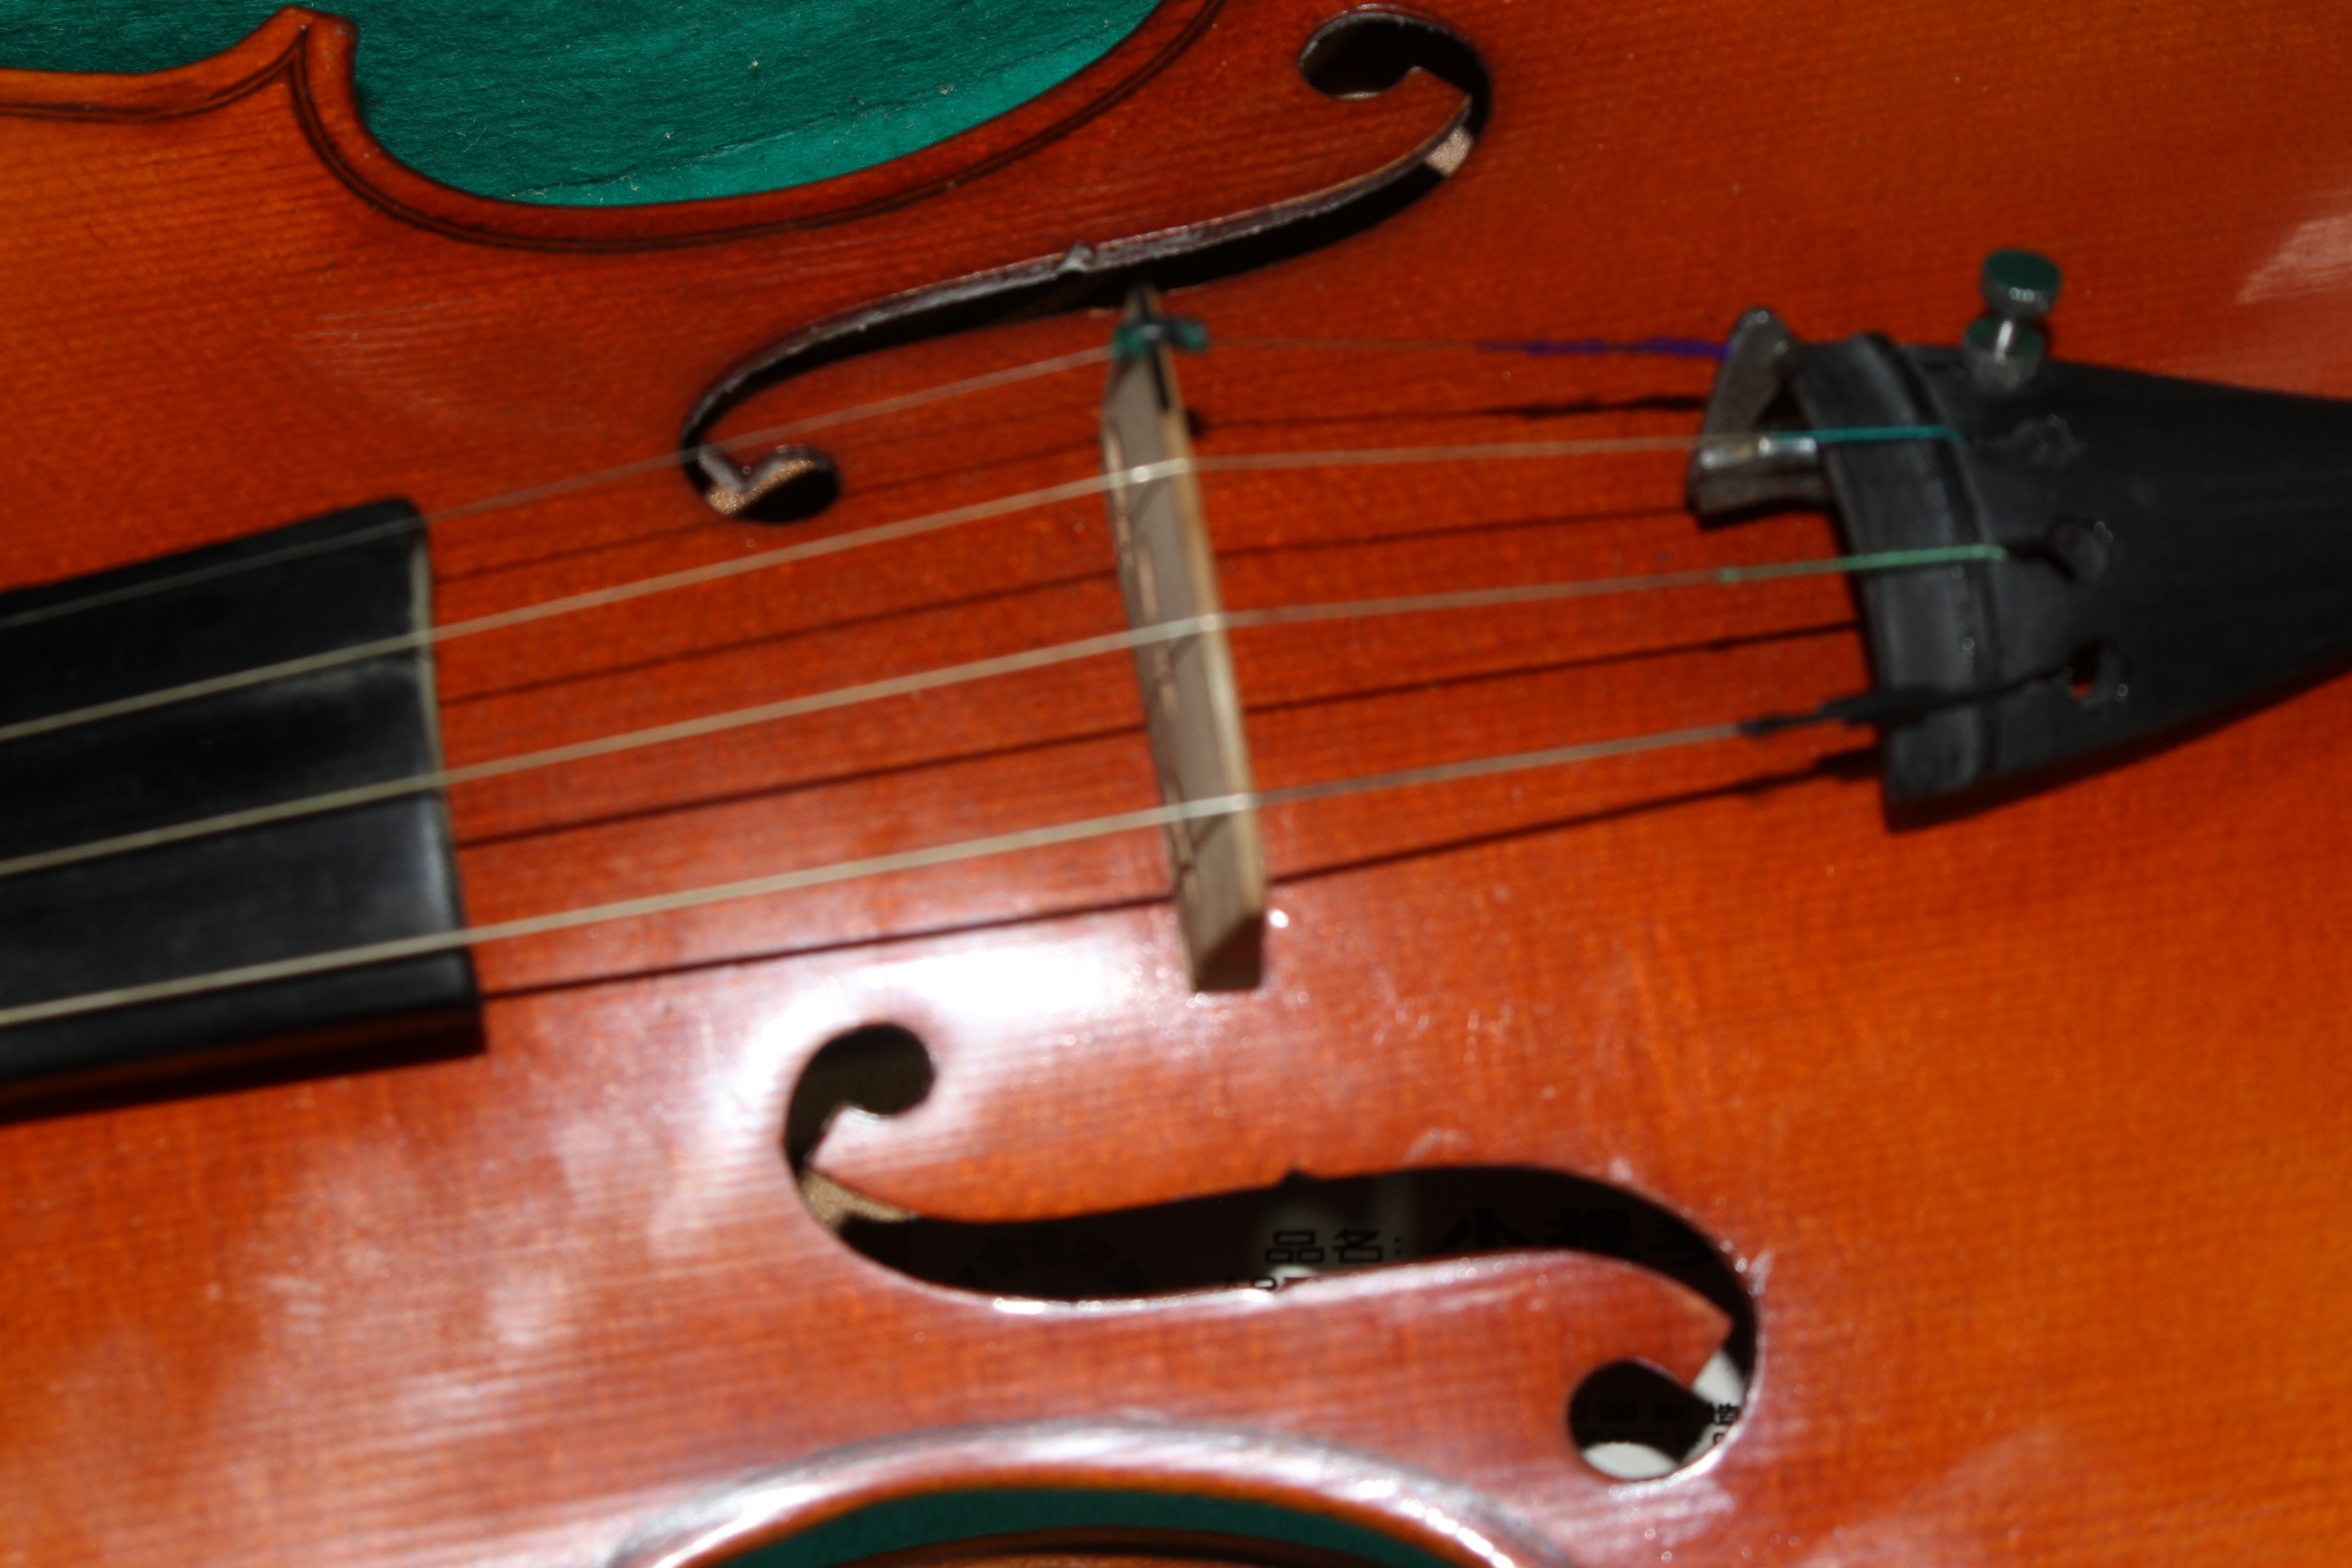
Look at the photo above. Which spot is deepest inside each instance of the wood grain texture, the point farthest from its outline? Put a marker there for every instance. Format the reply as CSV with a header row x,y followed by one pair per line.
x,y
2026,1126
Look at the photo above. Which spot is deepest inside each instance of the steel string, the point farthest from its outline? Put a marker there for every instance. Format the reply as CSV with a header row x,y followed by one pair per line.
x,y
988,669
973,670
987,382
874,866
929,522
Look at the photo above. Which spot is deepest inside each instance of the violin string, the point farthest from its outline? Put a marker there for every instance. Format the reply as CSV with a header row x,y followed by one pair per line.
x,y
1661,346
988,381
936,855
929,522
545,609
902,861
983,669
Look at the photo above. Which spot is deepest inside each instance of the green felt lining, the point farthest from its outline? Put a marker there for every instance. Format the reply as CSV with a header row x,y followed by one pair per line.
x,y
937,1519
598,102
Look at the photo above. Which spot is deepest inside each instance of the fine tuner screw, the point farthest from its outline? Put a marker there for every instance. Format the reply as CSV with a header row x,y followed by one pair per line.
x,y
2003,348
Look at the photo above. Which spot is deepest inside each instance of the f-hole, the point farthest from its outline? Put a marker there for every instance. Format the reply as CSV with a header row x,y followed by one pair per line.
x,y
1365,53
1357,55
1629,1420
791,484
881,1068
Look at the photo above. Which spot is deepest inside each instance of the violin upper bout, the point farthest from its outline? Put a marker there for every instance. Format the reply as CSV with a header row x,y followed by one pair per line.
x,y
228,268
271,50
1244,90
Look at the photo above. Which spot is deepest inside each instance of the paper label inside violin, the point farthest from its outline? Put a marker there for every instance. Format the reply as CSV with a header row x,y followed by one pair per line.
x,y
274,890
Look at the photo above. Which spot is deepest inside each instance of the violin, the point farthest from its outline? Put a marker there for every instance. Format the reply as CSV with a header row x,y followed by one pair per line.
x,y
1400,785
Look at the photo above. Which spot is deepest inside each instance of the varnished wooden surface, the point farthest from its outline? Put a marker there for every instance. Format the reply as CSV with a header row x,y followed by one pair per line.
x,y
2024,1126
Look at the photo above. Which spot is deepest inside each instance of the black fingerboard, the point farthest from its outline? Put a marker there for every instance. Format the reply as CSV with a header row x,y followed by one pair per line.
x,y
307,885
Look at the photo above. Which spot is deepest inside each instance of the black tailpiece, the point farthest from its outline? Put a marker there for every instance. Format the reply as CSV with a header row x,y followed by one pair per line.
x,y
2175,546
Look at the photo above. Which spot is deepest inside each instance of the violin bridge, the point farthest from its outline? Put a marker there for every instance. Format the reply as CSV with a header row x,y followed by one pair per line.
x,y
1192,709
